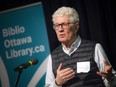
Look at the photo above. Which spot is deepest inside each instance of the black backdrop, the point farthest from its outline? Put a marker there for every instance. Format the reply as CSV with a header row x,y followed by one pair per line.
x,y
97,20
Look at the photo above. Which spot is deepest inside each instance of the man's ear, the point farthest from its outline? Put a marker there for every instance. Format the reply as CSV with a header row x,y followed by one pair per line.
x,y
77,27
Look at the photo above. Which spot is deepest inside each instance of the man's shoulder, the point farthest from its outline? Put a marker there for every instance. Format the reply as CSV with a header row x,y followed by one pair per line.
x,y
88,41
85,42
57,49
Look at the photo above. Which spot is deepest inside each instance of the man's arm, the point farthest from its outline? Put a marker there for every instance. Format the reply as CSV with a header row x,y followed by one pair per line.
x,y
105,68
50,79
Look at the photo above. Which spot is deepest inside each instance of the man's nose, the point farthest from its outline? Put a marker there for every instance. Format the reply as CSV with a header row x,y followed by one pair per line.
x,y
60,28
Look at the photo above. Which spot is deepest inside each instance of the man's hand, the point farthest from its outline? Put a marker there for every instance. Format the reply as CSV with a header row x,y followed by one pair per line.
x,y
63,75
108,71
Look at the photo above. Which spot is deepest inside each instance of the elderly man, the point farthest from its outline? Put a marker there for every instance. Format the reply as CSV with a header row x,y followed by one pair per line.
x,y
76,62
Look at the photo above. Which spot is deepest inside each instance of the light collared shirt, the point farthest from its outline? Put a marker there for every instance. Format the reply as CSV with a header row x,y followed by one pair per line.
x,y
99,57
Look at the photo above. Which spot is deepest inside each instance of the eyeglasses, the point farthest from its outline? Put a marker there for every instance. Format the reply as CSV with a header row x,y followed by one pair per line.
x,y
63,25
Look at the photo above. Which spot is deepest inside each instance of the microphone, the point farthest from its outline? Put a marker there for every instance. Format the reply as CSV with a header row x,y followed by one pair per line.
x,y
25,65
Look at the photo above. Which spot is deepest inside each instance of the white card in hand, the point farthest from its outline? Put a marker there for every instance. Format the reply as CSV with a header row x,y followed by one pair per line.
x,y
83,67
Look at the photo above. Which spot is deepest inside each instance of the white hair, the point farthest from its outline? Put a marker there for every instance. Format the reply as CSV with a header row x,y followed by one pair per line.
x,y
66,11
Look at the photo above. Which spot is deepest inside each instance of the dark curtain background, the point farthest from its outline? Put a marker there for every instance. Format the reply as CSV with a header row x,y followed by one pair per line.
x,y
97,20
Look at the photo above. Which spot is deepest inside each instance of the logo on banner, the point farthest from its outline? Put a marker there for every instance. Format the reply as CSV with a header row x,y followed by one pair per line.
x,y
8,43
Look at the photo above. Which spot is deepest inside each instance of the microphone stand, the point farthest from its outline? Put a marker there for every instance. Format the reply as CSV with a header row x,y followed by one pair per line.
x,y
24,66
19,74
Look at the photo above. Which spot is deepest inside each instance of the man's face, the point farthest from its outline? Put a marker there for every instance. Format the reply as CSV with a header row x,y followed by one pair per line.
x,y
64,29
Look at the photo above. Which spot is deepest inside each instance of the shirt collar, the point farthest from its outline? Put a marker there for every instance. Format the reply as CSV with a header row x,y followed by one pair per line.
x,y
74,46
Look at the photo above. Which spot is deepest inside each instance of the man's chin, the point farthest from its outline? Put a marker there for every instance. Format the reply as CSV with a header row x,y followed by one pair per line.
x,y
62,41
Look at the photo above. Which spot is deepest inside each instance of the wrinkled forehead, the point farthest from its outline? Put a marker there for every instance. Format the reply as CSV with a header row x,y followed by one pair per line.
x,y
61,19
